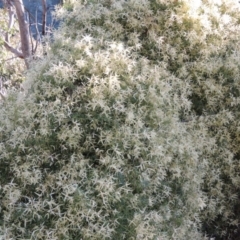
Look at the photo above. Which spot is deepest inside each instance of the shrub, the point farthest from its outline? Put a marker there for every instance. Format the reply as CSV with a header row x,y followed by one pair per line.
x,y
128,128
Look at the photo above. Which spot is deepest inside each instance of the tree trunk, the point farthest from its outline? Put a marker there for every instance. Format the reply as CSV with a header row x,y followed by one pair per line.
x,y
24,30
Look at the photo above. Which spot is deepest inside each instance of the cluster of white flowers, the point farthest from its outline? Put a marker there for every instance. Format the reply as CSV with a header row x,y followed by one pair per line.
x,y
128,128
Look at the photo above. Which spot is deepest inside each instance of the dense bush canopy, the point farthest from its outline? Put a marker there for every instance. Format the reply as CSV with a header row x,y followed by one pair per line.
x,y
128,127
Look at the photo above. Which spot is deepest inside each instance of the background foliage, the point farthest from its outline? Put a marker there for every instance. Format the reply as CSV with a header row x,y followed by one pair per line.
x,y
128,128
11,68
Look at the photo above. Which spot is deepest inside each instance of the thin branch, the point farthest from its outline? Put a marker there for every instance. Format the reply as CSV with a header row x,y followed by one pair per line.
x,y
9,59
29,28
38,34
13,50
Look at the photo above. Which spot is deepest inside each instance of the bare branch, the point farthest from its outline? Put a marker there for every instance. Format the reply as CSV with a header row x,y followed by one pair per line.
x,y
29,26
9,59
13,50
23,28
44,16
35,23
